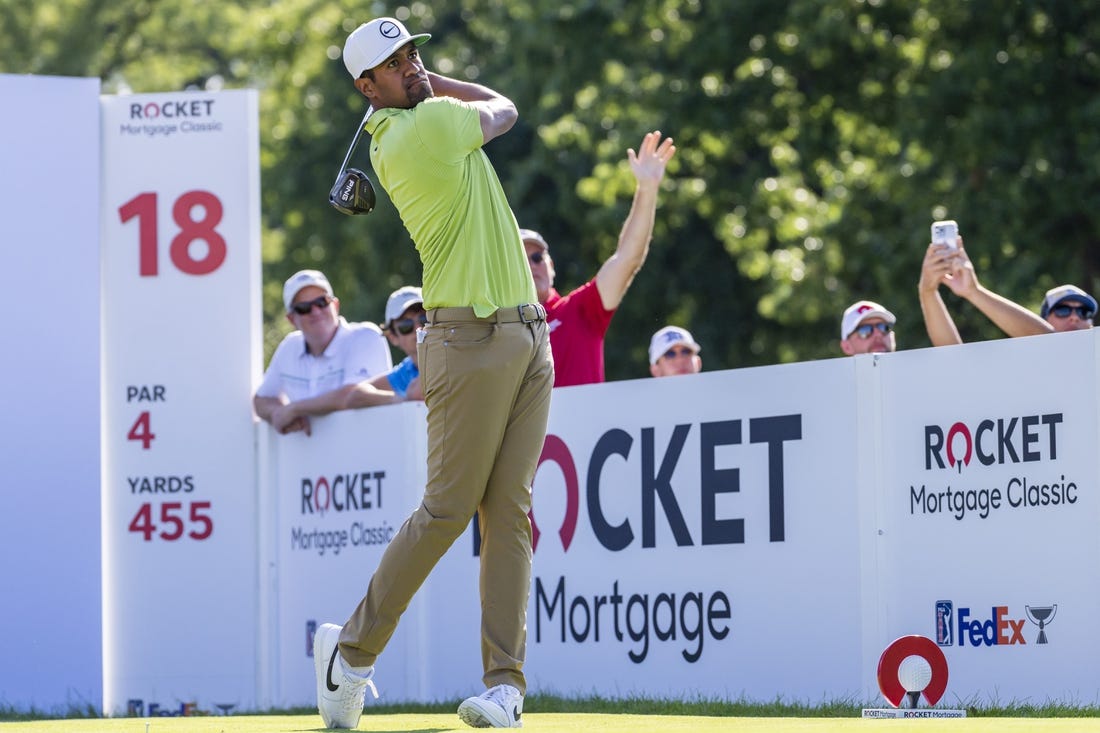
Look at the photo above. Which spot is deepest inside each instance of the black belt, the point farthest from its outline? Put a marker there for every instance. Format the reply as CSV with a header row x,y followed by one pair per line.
x,y
526,313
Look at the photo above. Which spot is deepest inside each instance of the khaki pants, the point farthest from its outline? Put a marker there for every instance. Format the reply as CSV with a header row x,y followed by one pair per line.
x,y
487,384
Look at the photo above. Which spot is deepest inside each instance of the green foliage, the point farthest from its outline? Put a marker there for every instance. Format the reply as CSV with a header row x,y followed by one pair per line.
x,y
817,140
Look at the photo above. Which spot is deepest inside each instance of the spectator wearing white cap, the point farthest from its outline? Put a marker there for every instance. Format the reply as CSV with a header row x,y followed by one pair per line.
x,y
673,351
1068,308
404,318
580,319
322,355
1064,308
867,328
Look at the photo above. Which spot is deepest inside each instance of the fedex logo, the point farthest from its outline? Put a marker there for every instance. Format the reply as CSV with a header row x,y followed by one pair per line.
x,y
996,630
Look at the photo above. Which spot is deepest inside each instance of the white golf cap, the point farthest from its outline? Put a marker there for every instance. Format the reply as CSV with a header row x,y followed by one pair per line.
x,y
668,337
399,302
530,235
372,43
1056,296
302,279
860,311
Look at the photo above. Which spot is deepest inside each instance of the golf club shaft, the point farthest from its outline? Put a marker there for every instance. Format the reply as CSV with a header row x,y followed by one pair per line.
x,y
354,141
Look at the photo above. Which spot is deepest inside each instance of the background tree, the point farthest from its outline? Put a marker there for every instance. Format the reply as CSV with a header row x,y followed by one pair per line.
x,y
817,141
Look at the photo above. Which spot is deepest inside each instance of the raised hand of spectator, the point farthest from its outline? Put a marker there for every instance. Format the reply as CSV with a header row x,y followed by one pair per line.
x,y
963,280
653,155
936,268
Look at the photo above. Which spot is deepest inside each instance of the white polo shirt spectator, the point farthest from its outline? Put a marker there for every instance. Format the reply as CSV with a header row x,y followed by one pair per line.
x,y
324,354
357,351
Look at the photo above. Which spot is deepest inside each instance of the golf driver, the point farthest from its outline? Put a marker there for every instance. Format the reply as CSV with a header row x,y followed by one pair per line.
x,y
352,193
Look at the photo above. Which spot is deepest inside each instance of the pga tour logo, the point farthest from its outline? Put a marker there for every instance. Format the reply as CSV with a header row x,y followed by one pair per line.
x,y
999,628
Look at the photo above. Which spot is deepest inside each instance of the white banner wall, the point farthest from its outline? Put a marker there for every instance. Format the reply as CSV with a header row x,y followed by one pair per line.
x,y
759,533
696,536
989,513
666,565
181,338
49,439
338,497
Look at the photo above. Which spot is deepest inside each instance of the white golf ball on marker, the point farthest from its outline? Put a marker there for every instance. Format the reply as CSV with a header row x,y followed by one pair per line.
x,y
914,673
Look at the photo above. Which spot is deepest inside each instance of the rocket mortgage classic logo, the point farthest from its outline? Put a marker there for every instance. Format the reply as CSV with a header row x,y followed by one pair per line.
x,y
964,468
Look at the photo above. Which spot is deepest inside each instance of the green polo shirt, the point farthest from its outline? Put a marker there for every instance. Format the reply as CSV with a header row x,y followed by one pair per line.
x,y
429,160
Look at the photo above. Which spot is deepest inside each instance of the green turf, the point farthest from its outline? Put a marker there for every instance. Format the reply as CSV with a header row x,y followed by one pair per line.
x,y
564,722
553,713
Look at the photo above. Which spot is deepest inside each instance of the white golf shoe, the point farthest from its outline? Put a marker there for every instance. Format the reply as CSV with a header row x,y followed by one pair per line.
x,y
340,695
497,707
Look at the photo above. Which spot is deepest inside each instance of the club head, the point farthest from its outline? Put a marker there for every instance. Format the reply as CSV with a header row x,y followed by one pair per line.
x,y
352,193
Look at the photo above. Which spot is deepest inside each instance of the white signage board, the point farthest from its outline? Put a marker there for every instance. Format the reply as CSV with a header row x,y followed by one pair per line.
x,y
49,440
989,514
337,497
181,353
696,536
757,533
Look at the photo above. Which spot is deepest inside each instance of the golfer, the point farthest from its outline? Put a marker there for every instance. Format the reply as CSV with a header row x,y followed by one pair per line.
x,y
485,365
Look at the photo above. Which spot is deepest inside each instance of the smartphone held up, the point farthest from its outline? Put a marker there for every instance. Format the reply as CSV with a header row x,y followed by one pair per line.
x,y
945,232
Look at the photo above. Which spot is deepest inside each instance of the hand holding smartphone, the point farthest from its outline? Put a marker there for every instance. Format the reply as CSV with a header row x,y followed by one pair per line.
x,y
945,232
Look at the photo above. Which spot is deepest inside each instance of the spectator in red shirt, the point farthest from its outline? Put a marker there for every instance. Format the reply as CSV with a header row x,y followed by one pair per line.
x,y
579,320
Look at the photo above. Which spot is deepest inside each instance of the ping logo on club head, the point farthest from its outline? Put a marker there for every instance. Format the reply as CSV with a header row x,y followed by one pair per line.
x,y
890,668
389,29
346,189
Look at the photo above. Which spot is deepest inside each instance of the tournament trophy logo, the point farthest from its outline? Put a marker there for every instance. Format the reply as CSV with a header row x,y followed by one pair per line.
x,y
1041,616
912,666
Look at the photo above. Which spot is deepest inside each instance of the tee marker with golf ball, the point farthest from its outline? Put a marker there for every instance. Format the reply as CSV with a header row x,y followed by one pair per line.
x,y
909,667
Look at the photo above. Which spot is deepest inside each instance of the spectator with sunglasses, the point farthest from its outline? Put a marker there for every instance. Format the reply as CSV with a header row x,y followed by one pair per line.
x,y
1068,308
673,351
867,328
579,320
404,317
1065,308
323,355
